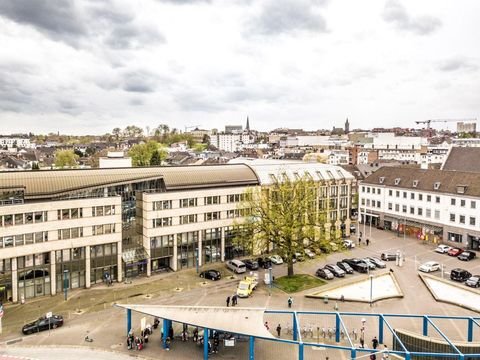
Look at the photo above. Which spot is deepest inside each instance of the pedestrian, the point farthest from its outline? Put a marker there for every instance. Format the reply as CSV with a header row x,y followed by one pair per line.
x,y
374,342
266,325
228,301
279,330
195,335
367,241
359,240
167,344
342,298
360,234
362,342
373,357
385,353
290,301
234,300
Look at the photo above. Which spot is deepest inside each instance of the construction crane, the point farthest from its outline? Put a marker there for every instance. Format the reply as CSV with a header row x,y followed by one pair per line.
x,y
428,122
191,127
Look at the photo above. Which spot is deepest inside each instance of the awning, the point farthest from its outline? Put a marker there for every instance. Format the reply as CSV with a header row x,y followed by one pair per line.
x,y
134,255
236,320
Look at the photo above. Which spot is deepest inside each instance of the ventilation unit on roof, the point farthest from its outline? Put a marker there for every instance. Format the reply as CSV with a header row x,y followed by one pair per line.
x,y
397,181
461,189
381,179
436,186
415,183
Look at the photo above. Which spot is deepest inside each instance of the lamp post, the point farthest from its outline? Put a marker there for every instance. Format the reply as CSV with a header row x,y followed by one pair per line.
x,y
362,332
65,283
196,259
270,281
371,290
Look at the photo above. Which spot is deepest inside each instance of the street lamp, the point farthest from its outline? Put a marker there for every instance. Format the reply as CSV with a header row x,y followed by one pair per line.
x,y
270,281
196,259
65,283
371,291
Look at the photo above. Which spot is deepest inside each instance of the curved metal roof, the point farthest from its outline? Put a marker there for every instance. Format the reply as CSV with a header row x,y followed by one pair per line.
x,y
237,320
45,183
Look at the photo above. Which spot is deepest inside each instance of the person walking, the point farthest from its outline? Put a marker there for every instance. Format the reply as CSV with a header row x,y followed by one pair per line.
x,y
290,301
234,300
385,355
266,325
374,343
359,241
279,330
367,241
228,301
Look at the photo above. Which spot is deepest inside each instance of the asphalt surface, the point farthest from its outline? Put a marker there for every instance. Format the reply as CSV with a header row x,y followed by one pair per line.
x,y
90,312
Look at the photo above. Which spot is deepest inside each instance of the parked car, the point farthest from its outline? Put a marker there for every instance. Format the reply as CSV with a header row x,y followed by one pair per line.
x,y
251,264
345,267
236,266
388,257
378,263
211,275
370,264
454,251
442,249
429,266
467,256
349,244
309,253
473,281
357,265
276,259
298,256
42,324
335,270
459,275
246,286
264,262
324,274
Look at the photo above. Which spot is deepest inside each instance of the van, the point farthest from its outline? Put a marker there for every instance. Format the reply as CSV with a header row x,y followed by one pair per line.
x,y
459,275
236,266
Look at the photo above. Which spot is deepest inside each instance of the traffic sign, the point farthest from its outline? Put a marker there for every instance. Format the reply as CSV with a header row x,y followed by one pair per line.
x,y
48,315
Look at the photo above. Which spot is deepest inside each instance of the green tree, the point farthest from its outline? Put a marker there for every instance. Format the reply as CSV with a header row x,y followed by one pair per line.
x,y
117,132
198,148
283,216
66,158
142,153
133,131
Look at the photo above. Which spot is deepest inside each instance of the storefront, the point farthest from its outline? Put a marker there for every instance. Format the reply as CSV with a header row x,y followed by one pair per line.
x,y
473,242
187,247
161,251
211,245
33,275
70,264
103,262
5,280
135,261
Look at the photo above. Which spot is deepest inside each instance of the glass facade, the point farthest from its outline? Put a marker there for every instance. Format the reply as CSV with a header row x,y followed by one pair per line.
x,y
72,260
161,249
33,275
103,260
211,245
186,249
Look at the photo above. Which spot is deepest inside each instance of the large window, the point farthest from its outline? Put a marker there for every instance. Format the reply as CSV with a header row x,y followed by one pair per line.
x,y
65,214
70,233
210,216
162,222
162,205
103,210
189,202
188,219
210,200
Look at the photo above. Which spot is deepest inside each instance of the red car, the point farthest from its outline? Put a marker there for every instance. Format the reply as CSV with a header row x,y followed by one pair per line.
x,y
454,252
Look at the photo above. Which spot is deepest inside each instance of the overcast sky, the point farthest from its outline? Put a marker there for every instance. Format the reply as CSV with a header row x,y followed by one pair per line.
x,y
88,66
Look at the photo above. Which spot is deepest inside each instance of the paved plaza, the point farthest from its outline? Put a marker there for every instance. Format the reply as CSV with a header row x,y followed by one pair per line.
x,y
90,312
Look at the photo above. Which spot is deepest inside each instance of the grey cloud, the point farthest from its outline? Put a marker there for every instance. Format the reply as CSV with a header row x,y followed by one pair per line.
x,y
284,16
394,12
457,64
196,101
184,2
69,107
262,94
57,18
136,102
131,36
140,81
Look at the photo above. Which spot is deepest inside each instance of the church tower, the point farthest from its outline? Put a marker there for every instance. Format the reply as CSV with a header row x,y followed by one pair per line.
x,y
247,127
347,127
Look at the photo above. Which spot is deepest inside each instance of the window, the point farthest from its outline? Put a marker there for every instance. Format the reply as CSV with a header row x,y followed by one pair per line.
x,y
397,193
404,208
420,197
473,204
162,205
363,201
368,190
404,194
429,198
397,181
390,192
18,219
390,206
453,201
397,207
437,214
415,183
190,202
462,203
472,221
378,204
412,210
210,200
412,196
452,217
368,202
420,211
70,233
363,189
212,216
235,198
379,191
188,219
428,213
161,222
462,219
437,199
436,186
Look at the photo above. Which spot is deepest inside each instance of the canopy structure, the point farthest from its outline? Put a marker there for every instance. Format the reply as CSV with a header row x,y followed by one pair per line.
x,y
237,320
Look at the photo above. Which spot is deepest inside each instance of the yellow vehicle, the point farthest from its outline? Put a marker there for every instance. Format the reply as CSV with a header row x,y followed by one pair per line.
x,y
246,286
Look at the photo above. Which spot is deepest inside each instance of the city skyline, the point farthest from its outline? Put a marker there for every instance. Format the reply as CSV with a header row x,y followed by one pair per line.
x,y
86,67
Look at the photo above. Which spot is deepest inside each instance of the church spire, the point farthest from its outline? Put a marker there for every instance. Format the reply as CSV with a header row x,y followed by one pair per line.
x,y
247,127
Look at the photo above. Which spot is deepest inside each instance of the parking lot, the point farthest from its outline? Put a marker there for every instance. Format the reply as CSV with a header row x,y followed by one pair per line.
x,y
106,325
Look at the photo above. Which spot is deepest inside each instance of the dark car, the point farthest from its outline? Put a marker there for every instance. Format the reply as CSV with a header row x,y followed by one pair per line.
x,y
454,252
473,281
357,265
378,263
324,274
467,256
251,264
459,275
335,270
43,323
211,275
345,267
388,257
265,262
371,265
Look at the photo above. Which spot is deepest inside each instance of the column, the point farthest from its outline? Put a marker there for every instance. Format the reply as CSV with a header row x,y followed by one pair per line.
x,y
348,222
327,230
199,251
149,261
300,351
119,262
205,343
14,280
223,244
129,320
53,274
251,348
87,266
174,263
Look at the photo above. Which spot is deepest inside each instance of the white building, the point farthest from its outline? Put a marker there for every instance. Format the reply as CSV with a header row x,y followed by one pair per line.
x,y
433,205
115,159
232,141
14,142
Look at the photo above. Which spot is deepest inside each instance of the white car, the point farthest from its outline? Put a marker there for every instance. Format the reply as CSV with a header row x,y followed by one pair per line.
x,y
429,266
349,244
443,249
276,259
309,253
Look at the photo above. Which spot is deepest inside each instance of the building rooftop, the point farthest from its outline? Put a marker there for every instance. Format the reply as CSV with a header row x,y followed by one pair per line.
x,y
463,159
